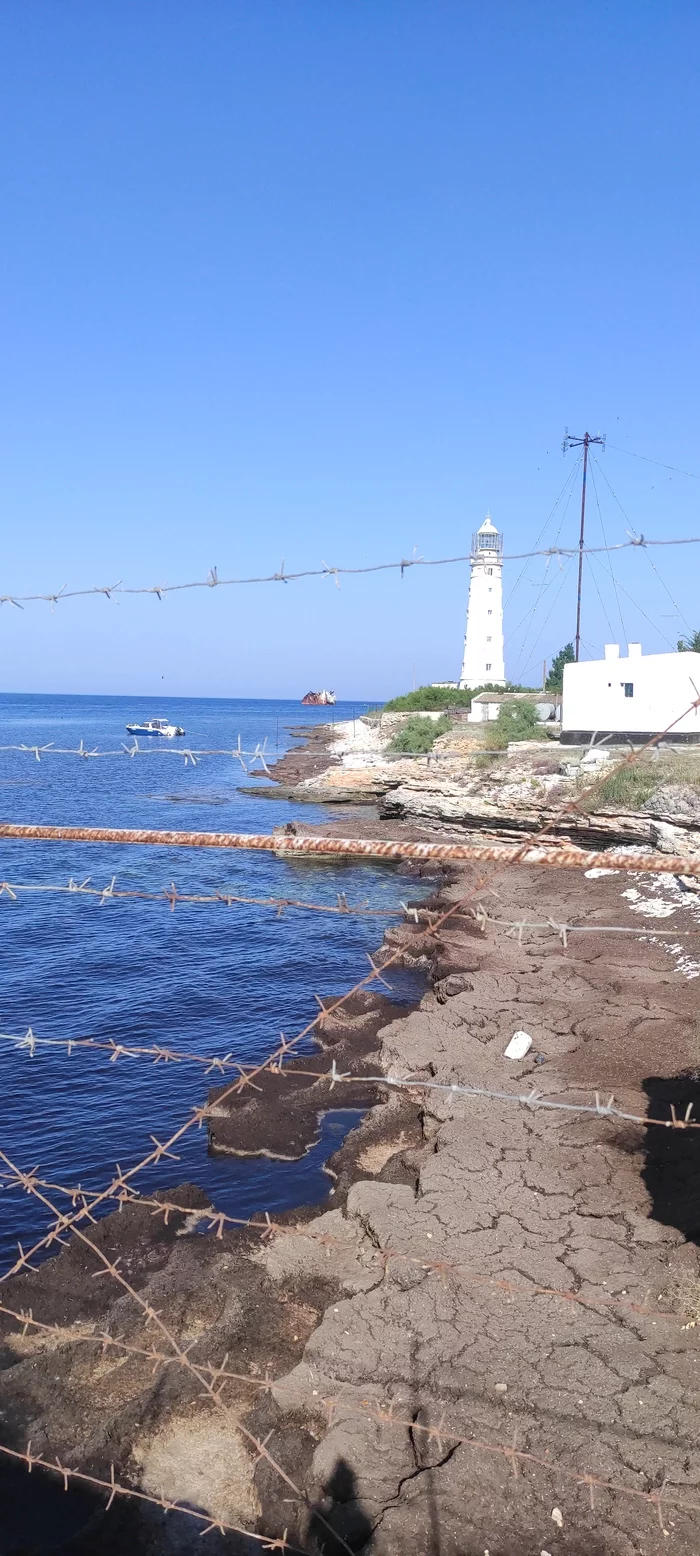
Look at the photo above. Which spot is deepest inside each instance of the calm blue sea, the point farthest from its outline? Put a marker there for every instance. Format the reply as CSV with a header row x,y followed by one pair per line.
x,y
204,978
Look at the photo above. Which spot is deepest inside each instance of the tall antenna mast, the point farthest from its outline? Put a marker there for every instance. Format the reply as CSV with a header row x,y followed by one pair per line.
x,y
570,442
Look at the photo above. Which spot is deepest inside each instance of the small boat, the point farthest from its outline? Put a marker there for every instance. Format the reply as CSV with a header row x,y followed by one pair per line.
x,y
155,727
319,699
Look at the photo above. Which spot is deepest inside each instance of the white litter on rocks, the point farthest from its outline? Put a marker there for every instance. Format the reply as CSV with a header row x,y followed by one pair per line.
x,y
519,1045
662,897
594,875
558,1517
651,909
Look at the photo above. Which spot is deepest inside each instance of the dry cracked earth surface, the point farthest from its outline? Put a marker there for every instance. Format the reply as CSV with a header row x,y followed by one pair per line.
x,y
487,1345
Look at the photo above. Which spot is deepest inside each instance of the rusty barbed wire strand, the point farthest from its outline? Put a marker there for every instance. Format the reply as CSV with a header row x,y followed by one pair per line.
x,y
551,852
116,1489
11,890
275,1060
110,1268
384,1416
268,1229
212,581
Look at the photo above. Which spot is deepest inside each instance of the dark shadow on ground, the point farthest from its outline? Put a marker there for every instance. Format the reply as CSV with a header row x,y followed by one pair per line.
x,y
340,1509
672,1167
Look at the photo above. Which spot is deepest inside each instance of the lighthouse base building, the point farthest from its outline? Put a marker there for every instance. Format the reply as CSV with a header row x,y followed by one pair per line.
x,y
483,640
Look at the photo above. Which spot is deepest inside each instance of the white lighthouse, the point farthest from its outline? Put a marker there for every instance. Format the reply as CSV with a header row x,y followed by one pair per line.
x,y
483,639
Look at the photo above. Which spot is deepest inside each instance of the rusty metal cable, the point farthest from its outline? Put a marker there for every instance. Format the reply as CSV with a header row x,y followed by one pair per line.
x,y
549,852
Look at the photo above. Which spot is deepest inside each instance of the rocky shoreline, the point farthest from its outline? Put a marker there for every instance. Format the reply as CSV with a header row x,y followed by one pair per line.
x,y
494,1289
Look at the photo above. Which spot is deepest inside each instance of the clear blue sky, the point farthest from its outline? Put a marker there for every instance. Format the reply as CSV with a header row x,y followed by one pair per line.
x,y
321,280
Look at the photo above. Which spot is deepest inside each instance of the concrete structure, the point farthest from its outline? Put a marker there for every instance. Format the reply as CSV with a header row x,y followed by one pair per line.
x,y
483,642
486,706
631,696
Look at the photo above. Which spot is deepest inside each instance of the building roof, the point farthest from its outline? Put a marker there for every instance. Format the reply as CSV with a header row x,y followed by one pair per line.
x,y
518,697
488,527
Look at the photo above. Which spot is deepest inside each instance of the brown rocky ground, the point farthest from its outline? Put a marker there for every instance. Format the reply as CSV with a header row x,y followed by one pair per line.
x,y
407,1331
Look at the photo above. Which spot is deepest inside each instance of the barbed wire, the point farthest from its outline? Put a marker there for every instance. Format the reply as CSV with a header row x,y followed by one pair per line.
x,y
193,757
363,1408
539,849
384,1415
185,753
115,1489
213,1380
533,1099
111,1268
12,890
268,1229
213,581
515,928
387,1417
276,1059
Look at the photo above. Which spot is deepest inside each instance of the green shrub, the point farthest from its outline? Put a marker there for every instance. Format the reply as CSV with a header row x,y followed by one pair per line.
x,y
419,734
429,699
516,721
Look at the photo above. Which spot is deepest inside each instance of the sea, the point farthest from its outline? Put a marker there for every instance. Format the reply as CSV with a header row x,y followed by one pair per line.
x,y
204,978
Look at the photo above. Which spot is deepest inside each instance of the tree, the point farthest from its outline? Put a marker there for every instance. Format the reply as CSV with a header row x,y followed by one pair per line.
x,y
555,679
690,643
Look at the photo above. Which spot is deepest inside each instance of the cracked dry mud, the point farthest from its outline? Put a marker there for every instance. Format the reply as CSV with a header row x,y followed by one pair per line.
x,y
532,1199
389,1305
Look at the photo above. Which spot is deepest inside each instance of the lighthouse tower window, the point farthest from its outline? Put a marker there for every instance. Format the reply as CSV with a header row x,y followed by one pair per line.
x,y
488,667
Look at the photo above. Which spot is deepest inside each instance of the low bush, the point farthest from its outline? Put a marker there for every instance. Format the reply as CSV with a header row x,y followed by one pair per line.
x,y
516,721
419,734
429,699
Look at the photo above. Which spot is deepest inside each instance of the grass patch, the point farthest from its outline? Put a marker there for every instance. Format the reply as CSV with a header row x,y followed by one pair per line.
x,y
633,785
687,1296
419,734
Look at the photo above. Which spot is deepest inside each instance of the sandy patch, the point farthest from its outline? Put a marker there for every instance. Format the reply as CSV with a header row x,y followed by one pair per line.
x,y
202,1461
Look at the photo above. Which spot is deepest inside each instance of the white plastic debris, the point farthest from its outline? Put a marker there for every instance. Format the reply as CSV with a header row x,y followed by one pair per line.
x,y
519,1045
558,1517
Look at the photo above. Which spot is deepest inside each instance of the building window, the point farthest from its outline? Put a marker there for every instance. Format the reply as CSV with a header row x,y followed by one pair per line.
x,y
488,640
629,688
489,613
488,667
489,572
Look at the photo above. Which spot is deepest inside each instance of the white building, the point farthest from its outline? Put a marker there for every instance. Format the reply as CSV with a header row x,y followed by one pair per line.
x,y
483,641
631,695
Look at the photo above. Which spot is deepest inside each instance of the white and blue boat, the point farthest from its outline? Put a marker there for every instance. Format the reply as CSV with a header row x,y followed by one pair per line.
x,y
155,727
